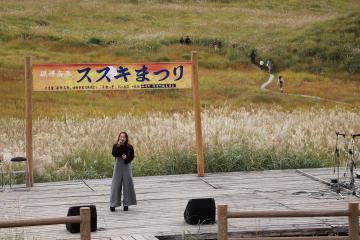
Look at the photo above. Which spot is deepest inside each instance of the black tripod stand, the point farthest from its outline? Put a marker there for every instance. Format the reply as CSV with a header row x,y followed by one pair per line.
x,y
337,161
351,163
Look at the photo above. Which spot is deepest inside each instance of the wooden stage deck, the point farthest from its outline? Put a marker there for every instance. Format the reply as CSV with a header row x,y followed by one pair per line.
x,y
162,200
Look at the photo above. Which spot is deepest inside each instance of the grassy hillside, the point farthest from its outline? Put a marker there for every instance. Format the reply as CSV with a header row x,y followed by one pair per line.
x,y
93,31
331,47
309,41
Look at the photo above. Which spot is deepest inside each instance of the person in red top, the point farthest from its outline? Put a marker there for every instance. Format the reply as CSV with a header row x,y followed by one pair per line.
x,y
280,83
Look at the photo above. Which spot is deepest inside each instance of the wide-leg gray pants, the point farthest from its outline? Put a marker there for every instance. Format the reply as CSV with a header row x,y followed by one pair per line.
x,y
122,180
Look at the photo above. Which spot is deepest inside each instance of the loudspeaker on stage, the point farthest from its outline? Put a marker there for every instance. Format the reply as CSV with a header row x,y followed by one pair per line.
x,y
75,211
200,211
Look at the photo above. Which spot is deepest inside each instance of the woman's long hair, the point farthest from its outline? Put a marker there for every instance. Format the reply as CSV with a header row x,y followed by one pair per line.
x,y
127,137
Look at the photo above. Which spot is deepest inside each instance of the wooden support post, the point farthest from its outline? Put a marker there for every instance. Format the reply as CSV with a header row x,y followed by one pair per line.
x,y
28,115
85,225
222,222
353,220
197,113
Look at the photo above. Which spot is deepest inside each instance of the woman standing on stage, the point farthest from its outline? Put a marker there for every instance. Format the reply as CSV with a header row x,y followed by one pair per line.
x,y
122,175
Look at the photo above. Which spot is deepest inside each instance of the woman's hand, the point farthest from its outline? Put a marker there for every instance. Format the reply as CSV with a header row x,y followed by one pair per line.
x,y
124,156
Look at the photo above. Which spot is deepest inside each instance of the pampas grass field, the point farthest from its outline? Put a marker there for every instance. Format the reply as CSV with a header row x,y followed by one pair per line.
x,y
234,140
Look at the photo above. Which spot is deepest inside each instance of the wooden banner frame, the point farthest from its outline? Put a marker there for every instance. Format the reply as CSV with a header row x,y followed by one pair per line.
x,y
28,115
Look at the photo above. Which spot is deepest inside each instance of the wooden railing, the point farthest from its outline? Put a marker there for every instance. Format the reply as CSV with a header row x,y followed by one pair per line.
x,y
352,213
83,219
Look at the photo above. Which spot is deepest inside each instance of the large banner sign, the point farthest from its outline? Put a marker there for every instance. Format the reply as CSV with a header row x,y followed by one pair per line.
x,y
67,77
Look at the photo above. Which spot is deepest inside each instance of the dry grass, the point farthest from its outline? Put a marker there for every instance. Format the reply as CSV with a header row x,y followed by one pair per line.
x,y
321,86
241,22
309,132
60,32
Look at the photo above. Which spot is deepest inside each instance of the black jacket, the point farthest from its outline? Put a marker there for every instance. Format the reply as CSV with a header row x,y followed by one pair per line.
x,y
128,150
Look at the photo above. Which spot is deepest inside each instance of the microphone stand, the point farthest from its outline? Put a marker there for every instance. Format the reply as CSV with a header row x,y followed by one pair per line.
x,y
337,162
352,162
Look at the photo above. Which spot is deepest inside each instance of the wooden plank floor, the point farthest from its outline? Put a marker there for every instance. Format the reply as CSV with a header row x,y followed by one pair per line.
x,y
162,200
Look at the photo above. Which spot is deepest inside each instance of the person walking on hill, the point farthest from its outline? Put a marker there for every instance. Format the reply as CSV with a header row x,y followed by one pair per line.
x,y
261,64
253,56
281,83
122,175
188,40
269,65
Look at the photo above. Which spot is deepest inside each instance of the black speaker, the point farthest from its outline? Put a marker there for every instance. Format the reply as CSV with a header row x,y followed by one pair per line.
x,y
75,211
200,211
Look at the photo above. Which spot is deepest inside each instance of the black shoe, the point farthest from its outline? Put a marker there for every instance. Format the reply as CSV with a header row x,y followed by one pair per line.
x,y
112,209
126,208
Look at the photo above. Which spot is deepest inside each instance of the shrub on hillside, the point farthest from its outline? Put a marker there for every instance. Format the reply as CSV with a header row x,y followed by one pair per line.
x,y
95,40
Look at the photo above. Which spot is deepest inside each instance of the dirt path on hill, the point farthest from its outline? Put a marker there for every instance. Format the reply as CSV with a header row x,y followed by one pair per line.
x,y
271,78
265,84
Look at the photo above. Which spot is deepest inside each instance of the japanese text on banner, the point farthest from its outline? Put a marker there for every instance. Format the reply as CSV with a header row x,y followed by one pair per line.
x,y
68,77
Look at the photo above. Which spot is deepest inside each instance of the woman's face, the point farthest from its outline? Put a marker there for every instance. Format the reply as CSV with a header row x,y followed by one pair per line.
x,y
122,138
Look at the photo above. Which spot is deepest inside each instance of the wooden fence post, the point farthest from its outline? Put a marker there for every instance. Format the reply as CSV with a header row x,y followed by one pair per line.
x,y
28,113
197,114
85,225
222,222
353,220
